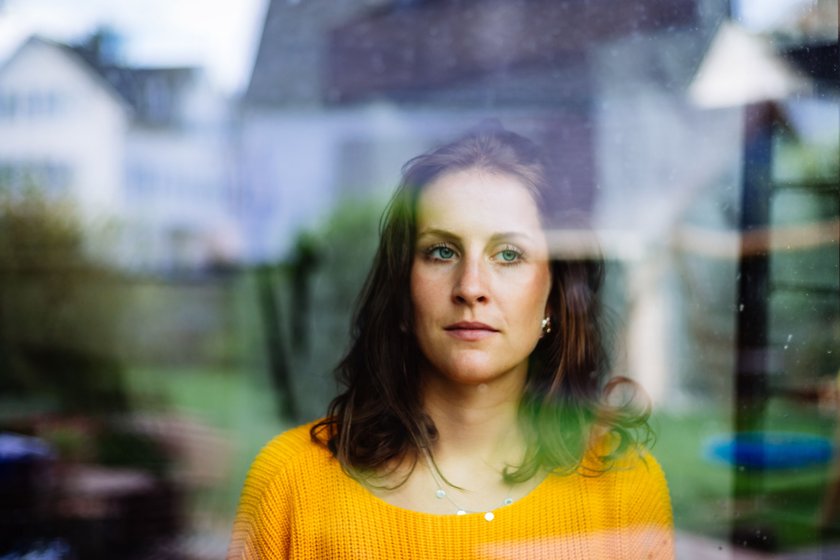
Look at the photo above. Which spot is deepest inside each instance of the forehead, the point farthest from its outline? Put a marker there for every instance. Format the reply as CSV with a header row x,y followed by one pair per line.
x,y
475,197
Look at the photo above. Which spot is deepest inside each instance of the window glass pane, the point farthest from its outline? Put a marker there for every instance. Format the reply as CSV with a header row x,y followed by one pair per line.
x,y
184,246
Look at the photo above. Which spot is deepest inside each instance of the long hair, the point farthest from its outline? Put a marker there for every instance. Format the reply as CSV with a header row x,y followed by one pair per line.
x,y
378,418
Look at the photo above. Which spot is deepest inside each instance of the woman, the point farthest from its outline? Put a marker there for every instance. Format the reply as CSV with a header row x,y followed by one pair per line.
x,y
474,422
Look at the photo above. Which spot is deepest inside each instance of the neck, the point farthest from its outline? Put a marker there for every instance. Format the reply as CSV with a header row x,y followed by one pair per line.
x,y
477,425
478,436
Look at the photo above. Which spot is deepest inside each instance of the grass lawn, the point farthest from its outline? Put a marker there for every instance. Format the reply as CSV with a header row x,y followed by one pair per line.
x,y
780,506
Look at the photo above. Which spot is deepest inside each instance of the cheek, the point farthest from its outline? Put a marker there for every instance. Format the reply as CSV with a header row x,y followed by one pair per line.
x,y
537,302
535,288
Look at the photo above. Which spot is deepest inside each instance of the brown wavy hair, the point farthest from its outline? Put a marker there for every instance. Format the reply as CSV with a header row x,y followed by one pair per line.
x,y
377,419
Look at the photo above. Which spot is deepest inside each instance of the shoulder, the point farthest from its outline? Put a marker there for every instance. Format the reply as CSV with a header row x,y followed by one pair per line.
x,y
287,456
633,476
638,470
603,455
631,467
286,452
636,490
286,447
264,503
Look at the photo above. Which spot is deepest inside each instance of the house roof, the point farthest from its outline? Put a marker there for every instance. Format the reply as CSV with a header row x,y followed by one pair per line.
x,y
74,58
434,44
311,53
150,94
289,63
154,93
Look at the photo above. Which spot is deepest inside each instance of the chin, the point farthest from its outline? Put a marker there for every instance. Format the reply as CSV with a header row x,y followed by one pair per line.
x,y
471,379
474,372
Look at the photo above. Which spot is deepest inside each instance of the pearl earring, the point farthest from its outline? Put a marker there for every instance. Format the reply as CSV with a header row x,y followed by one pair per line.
x,y
546,325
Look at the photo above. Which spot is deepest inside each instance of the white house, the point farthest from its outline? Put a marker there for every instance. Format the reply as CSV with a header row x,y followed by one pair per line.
x,y
62,128
141,150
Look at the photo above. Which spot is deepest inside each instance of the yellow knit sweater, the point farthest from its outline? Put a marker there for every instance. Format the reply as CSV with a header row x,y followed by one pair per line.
x,y
298,503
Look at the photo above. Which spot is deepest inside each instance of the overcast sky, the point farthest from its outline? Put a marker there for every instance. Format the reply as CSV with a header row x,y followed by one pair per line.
x,y
221,35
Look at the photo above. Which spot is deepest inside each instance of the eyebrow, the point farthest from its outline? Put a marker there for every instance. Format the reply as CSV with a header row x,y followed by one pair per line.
x,y
500,236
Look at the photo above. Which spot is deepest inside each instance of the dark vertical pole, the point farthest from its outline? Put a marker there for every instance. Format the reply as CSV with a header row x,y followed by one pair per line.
x,y
753,286
303,264
753,270
278,366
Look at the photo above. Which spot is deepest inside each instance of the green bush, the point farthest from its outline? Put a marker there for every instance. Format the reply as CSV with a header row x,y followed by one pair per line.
x,y
59,311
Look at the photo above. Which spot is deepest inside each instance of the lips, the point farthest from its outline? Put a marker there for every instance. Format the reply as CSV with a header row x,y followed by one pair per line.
x,y
469,330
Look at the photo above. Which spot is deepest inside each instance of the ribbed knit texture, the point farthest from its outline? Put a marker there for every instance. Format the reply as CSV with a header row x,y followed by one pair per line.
x,y
298,503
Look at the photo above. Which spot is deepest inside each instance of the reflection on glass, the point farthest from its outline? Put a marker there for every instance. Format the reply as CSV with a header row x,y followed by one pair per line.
x,y
178,266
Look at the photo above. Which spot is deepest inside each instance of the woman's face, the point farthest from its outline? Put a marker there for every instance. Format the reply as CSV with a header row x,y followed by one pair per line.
x,y
480,277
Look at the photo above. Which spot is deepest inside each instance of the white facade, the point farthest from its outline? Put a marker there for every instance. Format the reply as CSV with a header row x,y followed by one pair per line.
x,y
62,129
162,187
177,186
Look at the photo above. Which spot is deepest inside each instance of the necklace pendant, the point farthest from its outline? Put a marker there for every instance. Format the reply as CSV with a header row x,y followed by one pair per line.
x,y
440,493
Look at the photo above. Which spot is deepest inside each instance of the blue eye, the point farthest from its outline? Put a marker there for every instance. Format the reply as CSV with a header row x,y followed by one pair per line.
x,y
441,252
509,256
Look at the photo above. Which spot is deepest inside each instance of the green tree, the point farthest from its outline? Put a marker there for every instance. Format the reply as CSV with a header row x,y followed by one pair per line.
x,y
59,312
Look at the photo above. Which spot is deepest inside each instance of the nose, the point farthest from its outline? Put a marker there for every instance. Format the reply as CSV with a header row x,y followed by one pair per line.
x,y
470,285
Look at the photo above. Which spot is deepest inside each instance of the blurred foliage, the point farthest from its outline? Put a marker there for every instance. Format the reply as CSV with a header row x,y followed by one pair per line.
x,y
179,322
803,306
796,160
59,310
336,259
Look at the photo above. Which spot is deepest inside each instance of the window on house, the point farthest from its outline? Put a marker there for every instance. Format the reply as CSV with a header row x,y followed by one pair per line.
x,y
8,105
48,177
